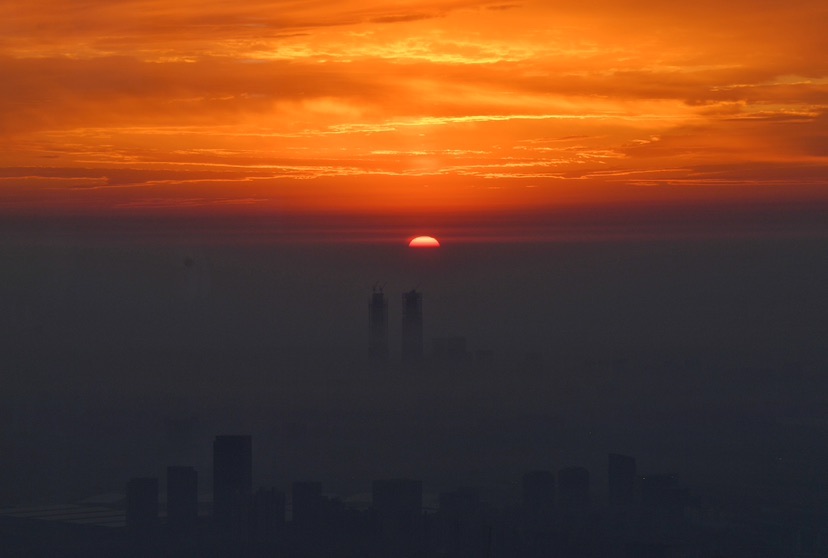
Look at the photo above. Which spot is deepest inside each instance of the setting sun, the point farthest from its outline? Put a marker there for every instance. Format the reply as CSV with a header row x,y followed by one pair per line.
x,y
424,242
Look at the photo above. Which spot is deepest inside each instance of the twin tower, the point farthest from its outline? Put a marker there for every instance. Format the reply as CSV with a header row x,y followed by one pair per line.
x,y
412,326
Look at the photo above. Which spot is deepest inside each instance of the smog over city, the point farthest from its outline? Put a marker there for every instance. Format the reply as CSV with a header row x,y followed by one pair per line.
x,y
433,279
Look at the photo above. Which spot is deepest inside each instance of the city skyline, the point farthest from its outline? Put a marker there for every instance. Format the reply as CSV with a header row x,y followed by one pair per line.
x,y
323,411
556,511
580,230
545,515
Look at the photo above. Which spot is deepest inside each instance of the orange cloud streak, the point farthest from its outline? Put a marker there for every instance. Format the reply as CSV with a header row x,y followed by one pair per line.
x,y
431,106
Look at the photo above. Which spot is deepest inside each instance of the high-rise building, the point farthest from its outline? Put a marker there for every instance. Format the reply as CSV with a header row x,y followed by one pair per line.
x,y
232,482
412,326
182,498
378,325
622,479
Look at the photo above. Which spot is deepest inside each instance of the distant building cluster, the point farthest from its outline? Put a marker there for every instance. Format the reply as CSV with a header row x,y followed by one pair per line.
x,y
412,350
557,515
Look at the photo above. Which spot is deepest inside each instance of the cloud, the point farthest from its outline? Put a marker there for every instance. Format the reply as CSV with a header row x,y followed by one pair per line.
x,y
398,18
225,98
182,203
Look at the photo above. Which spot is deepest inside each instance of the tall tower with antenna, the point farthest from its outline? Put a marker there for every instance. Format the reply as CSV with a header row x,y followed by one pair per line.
x,y
378,325
412,326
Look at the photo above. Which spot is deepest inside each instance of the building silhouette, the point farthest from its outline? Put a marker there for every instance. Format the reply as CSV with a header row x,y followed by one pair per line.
x,y
182,498
378,325
412,326
554,520
232,483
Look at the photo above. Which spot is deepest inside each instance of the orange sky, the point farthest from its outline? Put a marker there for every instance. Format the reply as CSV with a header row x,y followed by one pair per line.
x,y
130,106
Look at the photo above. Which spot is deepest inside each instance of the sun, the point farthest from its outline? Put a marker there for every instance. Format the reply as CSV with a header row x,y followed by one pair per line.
x,y
423,242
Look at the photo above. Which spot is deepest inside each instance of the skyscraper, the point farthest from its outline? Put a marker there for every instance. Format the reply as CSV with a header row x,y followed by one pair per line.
x,y
412,326
232,482
378,325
